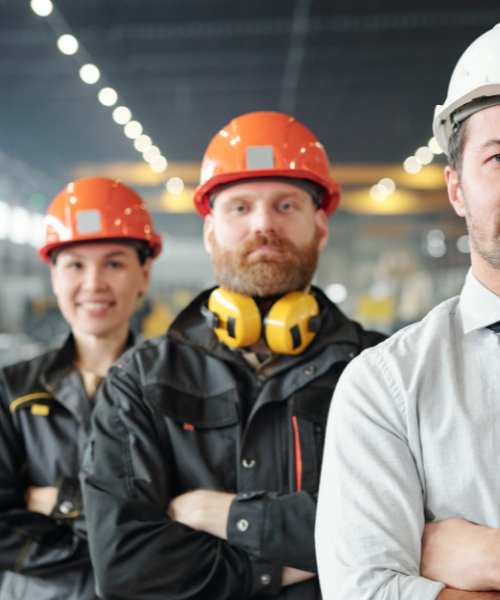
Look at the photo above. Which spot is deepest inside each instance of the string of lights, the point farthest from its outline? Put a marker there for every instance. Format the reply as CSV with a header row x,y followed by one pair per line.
x,y
108,96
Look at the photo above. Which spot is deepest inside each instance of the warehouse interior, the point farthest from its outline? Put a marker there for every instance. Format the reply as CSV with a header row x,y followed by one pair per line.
x,y
364,76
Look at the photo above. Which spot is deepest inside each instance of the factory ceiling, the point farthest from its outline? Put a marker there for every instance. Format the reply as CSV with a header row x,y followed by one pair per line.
x,y
364,75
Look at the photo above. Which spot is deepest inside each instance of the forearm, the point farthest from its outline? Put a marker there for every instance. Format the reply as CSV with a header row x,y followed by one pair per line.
x,y
460,595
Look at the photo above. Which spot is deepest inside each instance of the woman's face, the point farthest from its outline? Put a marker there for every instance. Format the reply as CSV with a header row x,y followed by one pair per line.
x,y
98,284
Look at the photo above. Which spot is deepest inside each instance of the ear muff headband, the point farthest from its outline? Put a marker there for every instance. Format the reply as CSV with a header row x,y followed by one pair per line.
x,y
289,326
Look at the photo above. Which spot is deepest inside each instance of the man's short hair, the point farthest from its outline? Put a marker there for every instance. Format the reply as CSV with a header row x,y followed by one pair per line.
x,y
456,146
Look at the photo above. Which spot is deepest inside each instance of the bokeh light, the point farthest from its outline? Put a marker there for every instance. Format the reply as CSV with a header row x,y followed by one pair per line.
x,y
67,44
90,74
107,96
175,185
121,115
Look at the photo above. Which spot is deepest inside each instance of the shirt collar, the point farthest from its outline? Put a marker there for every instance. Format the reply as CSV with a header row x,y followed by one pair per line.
x,y
480,307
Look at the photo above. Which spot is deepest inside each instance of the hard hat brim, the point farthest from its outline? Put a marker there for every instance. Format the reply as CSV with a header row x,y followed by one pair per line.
x,y
329,204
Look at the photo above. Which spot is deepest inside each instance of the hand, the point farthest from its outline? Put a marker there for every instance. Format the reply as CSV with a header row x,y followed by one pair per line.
x,y
41,499
291,576
461,555
203,510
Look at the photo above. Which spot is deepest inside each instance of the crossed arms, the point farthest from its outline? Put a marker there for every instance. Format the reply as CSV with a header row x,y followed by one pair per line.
x,y
376,489
149,541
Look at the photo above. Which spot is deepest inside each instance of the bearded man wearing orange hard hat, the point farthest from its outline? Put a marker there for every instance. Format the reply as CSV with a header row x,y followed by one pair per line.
x,y
202,474
99,246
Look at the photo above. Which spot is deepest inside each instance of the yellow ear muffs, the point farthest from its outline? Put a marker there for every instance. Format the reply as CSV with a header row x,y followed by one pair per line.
x,y
235,318
292,323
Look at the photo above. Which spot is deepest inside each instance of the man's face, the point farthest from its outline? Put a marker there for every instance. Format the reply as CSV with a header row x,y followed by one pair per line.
x,y
264,238
476,194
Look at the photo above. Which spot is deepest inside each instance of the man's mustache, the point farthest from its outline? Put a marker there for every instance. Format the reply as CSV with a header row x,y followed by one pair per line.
x,y
265,240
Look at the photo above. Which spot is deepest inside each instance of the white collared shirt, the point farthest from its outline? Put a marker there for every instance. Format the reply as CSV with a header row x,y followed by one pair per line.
x,y
413,436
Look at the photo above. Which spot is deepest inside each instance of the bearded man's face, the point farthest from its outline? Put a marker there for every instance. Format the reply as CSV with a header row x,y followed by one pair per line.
x,y
265,238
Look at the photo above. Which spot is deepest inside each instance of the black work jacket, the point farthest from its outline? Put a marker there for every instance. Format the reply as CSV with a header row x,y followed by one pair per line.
x,y
168,420
45,418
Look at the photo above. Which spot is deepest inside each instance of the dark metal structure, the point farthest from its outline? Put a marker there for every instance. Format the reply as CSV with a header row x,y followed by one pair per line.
x,y
363,74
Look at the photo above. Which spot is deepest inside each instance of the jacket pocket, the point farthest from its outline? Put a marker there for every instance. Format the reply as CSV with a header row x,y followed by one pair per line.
x,y
310,409
209,412
312,404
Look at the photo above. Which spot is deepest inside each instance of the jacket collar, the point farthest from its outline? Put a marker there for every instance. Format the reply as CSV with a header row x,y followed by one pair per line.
x,y
61,362
191,328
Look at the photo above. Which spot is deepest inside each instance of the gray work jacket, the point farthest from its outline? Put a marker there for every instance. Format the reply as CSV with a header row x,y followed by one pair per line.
x,y
184,412
45,416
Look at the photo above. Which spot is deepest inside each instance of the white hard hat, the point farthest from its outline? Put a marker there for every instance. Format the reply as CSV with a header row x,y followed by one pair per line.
x,y
475,78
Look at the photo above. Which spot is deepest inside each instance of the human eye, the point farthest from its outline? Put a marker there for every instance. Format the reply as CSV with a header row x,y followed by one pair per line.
x,y
74,265
114,264
238,209
496,158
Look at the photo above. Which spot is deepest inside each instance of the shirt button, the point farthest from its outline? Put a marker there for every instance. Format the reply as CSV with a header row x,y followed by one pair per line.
x,y
265,579
66,507
242,525
248,463
351,355
310,370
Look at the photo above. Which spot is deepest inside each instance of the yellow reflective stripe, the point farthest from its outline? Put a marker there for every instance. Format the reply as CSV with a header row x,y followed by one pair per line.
x,y
40,409
27,398
70,515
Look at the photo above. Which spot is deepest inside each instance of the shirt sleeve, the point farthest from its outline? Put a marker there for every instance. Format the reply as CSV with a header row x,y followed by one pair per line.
x,y
30,542
128,480
371,502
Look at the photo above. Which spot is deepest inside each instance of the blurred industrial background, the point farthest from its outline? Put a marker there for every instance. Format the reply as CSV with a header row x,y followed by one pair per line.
x,y
136,89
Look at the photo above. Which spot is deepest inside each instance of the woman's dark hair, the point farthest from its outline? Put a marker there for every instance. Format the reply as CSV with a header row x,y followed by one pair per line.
x,y
144,250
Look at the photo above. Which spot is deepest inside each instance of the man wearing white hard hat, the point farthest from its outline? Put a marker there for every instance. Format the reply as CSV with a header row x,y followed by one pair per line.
x,y
409,503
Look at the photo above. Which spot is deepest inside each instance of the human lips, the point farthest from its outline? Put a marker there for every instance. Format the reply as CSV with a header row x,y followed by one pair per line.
x,y
265,249
96,307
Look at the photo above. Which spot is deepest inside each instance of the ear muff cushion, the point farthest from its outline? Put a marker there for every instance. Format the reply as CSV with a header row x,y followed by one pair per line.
x,y
286,325
239,318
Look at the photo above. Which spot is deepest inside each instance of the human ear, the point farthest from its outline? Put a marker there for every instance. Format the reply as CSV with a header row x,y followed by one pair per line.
x,y
322,228
455,193
208,228
146,275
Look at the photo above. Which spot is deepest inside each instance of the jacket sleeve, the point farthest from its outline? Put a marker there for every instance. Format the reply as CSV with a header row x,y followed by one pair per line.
x,y
280,527
30,542
371,501
138,552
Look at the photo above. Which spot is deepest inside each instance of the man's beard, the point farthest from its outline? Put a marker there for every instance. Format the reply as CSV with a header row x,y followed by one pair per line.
x,y
489,249
265,275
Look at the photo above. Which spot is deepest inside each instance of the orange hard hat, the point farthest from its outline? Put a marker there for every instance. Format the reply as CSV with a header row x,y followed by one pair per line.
x,y
265,144
97,208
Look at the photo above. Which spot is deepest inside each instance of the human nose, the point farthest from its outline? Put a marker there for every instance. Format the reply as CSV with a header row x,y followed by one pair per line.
x,y
264,220
93,279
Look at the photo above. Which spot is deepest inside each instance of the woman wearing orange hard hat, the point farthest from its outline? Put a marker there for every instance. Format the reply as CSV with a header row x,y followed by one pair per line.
x,y
100,244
